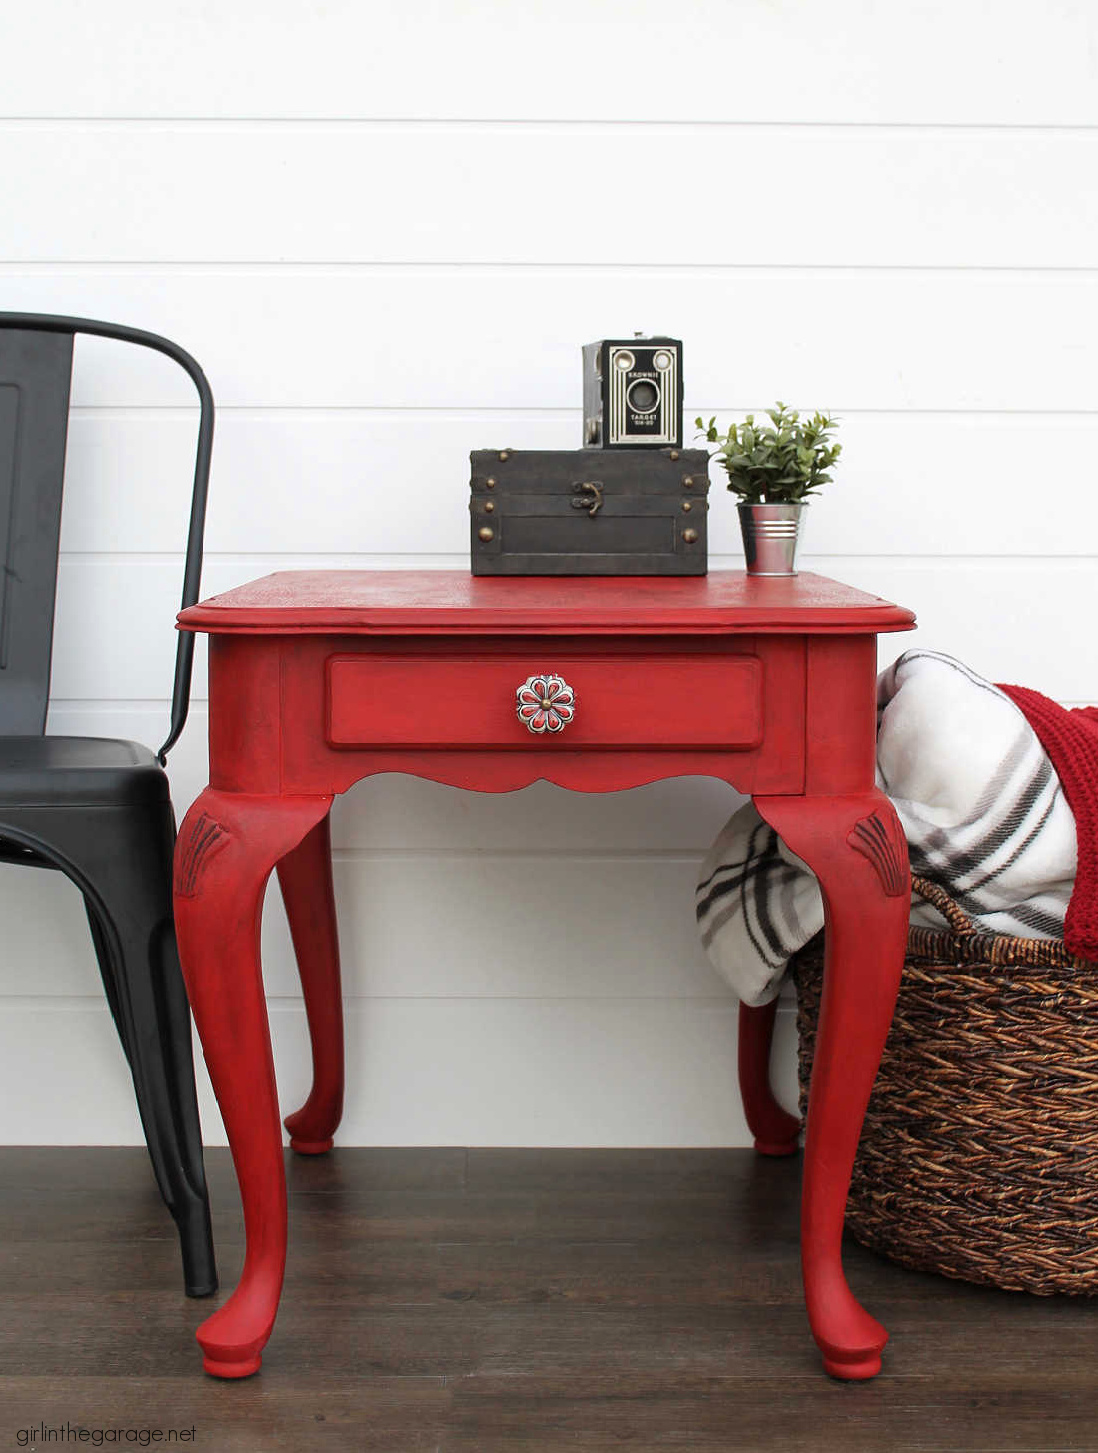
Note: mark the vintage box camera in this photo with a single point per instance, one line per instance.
(632, 393)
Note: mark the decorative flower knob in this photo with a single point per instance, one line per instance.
(545, 703)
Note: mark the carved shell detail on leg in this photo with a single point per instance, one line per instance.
(200, 841)
(545, 703)
(877, 838)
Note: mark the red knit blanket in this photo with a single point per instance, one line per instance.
(1071, 740)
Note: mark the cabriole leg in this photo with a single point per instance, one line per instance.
(305, 877)
(227, 846)
(775, 1131)
(856, 848)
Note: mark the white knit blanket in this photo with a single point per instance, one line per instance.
(979, 801)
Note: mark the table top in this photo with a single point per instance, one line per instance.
(453, 602)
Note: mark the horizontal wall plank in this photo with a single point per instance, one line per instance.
(1013, 621)
(908, 484)
(63, 1077)
(895, 196)
(395, 813)
(1005, 617)
(425, 1072)
(304, 480)
(851, 60)
(476, 337)
(462, 925)
(114, 622)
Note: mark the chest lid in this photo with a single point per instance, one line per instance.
(619, 473)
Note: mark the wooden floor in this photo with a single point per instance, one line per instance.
(510, 1299)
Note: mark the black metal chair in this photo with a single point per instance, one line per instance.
(98, 809)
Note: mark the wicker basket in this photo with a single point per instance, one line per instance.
(979, 1156)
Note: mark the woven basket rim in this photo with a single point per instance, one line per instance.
(960, 941)
(993, 950)
(980, 950)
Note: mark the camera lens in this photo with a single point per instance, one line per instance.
(643, 396)
(661, 360)
(624, 360)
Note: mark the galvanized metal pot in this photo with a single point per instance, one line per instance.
(770, 535)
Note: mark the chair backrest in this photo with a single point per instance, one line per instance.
(35, 373)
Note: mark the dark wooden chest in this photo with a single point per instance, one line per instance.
(589, 511)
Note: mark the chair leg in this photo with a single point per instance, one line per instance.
(149, 986)
(101, 944)
(122, 860)
(775, 1131)
(305, 877)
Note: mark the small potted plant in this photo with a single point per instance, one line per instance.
(773, 468)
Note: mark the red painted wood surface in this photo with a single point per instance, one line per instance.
(429, 601)
(621, 701)
(774, 1130)
(318, 679)
(305, 878)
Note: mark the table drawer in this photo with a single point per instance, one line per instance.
(604, 702)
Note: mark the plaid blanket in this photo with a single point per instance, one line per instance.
(982, 807)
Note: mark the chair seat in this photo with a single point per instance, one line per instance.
(78, 772)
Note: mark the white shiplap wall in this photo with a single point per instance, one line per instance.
(385, 229)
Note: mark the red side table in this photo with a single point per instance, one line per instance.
(318, 679)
